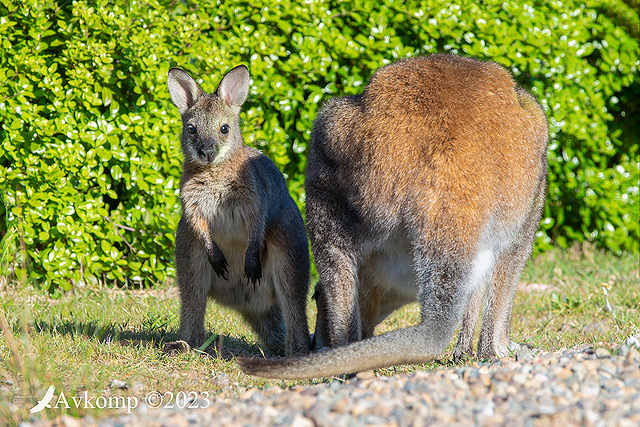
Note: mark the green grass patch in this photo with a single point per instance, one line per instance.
(85, 339)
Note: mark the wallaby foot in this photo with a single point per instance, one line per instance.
(461, 356)
(174, 348)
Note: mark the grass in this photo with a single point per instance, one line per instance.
(83, 340)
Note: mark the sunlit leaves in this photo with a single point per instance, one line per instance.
(89, 156)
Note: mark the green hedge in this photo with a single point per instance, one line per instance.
(90, 160)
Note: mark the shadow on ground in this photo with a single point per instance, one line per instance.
(153, 336)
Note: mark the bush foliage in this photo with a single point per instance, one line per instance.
(90, 160)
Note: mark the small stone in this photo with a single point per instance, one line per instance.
(176, 421)
(248, 393)
(519, 378)
(485, 379)
(633, 341)
(67, 421)
(633, 357)
(526, 369)
(477, 389)
(384, 408)
(623, 350)
(608, 368)
(590, 417)
(341, 405)
(612, 404)
(546, 410)
(563, 374)
(590, 390)
(503, 375)
(301, 421)
(591, 365)
(585, 348)
(258, 397)
(499, 389)
(486, 407)
(117, 384)
(602, 353)
(365, 375)
(494, 420)
(335, 385)
(630, 372)
(523, 353)
(319, 414)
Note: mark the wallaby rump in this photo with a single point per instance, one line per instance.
(428, 186)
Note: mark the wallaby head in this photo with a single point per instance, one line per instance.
(211, 123)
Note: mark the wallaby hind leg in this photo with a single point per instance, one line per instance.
(269, 327)
(372, 309)
(379, 296)
(330, 231)
(464, 346)
(291, 289)
(339, 271)
(321, 334)
(496, 322)
(494, 335)
(194, 276)
(444, 290)
(370, 306)
(445, 280)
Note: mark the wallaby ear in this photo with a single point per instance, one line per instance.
(234, 87)
(184, 90)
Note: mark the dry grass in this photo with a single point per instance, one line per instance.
(84, 340)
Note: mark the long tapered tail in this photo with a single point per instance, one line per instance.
(404, 346)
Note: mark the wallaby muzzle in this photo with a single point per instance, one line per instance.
(208, 151)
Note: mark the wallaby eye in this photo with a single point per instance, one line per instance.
(224, 129)
(191, 129)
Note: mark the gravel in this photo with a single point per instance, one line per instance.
(583, 386)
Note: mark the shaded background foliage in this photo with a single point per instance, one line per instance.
(90, 160)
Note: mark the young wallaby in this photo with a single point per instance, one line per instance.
(241, 239)
(429, 186)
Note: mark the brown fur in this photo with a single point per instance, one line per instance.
(241, 239)
(428, 186)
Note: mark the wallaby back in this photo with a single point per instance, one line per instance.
(429, 186)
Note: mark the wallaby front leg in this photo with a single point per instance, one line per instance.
(252, 265)
(214, 253)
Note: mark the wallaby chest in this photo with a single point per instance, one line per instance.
(223, 201)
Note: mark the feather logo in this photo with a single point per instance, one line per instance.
(45, 402)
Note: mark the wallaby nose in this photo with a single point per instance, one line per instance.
(208, 150)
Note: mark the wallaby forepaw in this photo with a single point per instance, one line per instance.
(253, 270)
(221, 267)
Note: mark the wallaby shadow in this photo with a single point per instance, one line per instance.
(222, 346)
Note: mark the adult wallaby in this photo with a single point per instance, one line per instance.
(239, 223)
(429, 186)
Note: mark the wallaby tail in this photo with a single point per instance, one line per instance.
(403, 346)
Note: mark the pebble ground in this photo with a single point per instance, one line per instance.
(578, 387)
